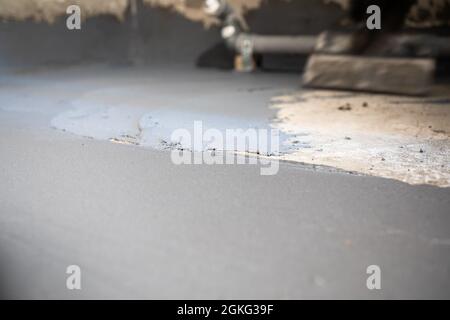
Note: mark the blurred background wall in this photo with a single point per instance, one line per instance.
(33, 32)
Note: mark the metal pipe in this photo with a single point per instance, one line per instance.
(240, 41)
(278, 44)
(246, 44)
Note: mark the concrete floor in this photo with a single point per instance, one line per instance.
(390, 136)
(141, 227)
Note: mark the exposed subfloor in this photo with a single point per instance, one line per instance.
(141, 227)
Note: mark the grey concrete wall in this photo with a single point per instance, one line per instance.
(161, 36)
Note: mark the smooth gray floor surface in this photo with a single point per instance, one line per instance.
(142, 227)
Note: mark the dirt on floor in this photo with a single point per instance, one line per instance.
(403, 138)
